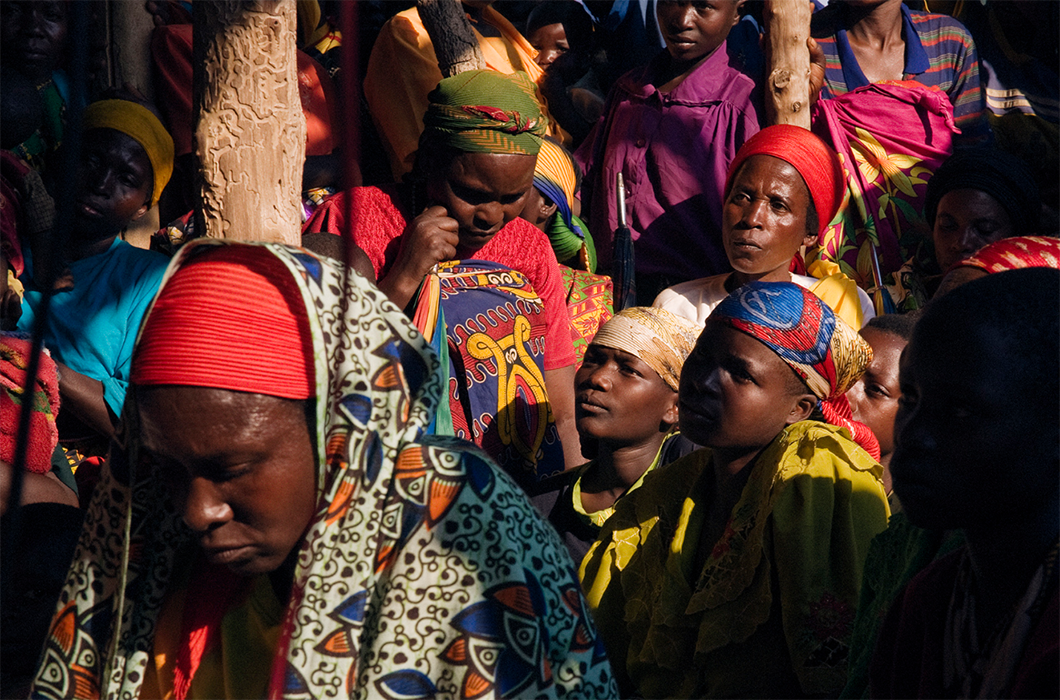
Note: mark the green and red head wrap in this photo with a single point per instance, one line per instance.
(483, 111)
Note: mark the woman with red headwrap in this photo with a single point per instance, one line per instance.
(735, 571)
(783, 188)
(275, 522)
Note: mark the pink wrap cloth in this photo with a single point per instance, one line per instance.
(890, 136)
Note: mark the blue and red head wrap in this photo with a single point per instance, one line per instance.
(791, 321)
(826, 353)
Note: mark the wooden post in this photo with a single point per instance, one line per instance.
(787, 26)
(130, 47)
(455, 44)
(130, 62)
(249, 131)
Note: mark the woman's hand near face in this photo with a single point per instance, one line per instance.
(428, 239)
(817, 68)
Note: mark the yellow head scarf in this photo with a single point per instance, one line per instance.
(661, 339)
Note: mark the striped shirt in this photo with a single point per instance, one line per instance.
(939, 52)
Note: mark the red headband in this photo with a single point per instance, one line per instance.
(231, 317)
(1016, 253)
(816, 162)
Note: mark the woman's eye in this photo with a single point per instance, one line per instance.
(876, 391)
(740, 375)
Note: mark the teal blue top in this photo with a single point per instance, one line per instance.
(92, 327)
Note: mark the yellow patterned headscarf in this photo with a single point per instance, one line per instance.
(138, 122)
(554, 174)
(661, 339)
(483, 111)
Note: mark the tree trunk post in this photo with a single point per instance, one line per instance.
(129, 52)
(130, 47)
(787, 26)
(249, 130)
(455, 44)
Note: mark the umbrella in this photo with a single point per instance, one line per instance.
(625, 288)
(881, 298)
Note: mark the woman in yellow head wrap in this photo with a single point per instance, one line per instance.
(626, 412)
(126, 161)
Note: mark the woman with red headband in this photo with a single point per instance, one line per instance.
(274, 521)
(783, 188)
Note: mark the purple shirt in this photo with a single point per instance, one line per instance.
(673, 151)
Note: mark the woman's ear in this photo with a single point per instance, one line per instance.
(141, 211)
(802, 409)
(669, 418)
(810, 240)
(547, 209)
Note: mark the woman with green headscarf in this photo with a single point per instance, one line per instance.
(504, 315)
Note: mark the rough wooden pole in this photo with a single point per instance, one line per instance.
(130, 47)
(130, 62)
(454, 42)
(787, 26)
(249, 132)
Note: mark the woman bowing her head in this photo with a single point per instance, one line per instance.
(274, 521)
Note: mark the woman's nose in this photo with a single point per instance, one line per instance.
(969, 241)
(600, 378)
(489, 214)
(204, 508)
(753, 213)
(854, 396)
(683, 19)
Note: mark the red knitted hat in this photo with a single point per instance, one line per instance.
(816, 162)
(231, 317)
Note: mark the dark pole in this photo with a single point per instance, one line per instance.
(51, 245)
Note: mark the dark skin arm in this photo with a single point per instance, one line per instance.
(430, 238)
(559, 383)
(83, 396)
(817, 62)
(36, 488)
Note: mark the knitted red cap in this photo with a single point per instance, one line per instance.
(231, 317)
(816, 162)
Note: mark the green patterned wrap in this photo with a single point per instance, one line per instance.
(483, 111)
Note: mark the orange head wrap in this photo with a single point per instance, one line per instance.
(231, 317)
(816, 162)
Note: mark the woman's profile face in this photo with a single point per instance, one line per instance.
(619, 398)
(240, 468)
(736, 393)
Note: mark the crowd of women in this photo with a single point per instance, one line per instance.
(433, 452)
